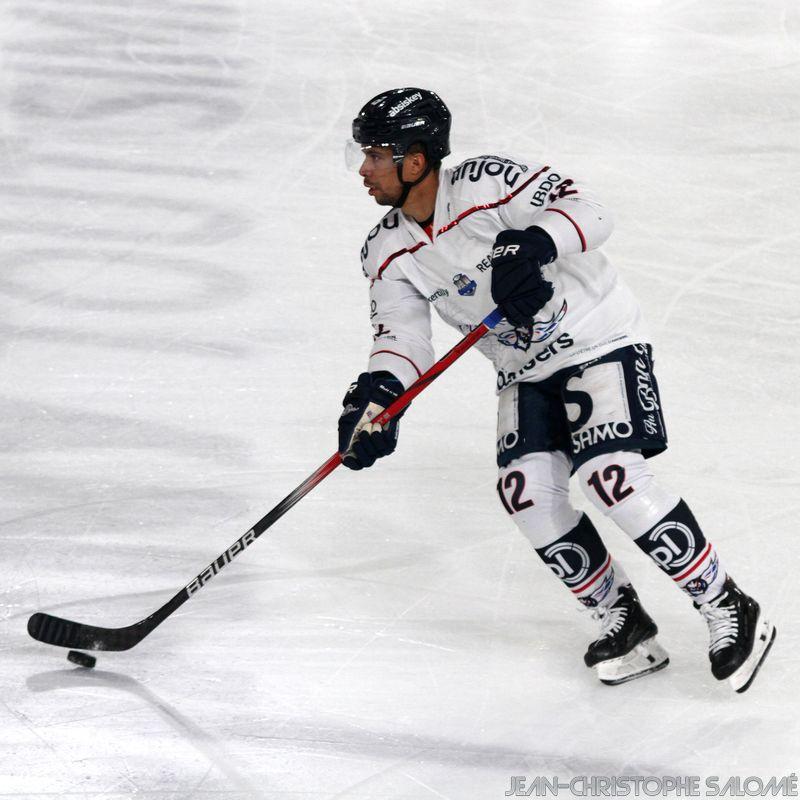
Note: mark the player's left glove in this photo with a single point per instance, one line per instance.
(360, 441)
(518, 287)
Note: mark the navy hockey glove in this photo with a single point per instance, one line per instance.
(361, 442)
(518, 287)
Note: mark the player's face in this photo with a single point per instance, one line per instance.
(379, 172)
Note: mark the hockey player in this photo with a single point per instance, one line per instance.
(577, 392)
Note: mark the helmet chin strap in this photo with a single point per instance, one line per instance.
(409, 185)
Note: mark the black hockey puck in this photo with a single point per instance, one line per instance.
(81, 659)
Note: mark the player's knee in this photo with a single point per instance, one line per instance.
(534, 490)
(622, 486)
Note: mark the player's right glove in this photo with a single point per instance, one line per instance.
(360, 441)
(518, 287)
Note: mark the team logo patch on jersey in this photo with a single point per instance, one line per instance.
(542, 331)
(522, 338)
(518, 338)
(465, 285)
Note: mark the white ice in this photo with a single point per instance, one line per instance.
(182, 308)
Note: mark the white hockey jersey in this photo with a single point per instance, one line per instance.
(591, 313)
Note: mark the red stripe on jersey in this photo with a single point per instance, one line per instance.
(393, 256)
(399, 355)
(602, 571)
(487, 206)
(575, 224)
(695, 565)
(452, 224)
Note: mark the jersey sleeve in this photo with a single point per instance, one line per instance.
(401, 320)
(400, 314)
(563, 207)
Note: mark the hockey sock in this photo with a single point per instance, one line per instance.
(580, 560)
(677, 544)
(623, 487)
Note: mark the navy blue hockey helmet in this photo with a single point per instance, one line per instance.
(402, 117)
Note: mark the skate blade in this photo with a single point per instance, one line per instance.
(648, 656)
(746, 674)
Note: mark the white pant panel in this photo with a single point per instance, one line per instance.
(535, 492)
(623, 487)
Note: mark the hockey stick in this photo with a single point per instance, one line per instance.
(75, 635)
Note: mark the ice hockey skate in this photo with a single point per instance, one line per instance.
(739, 636)
(627, 647)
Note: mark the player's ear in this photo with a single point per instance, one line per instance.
(414, 165)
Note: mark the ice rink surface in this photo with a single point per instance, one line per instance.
(182, 308)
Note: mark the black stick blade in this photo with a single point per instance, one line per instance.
(77, 636)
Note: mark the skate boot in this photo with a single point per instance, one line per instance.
(626, 648)
(739, 636)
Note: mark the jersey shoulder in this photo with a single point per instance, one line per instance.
(381, 242)
(489, 178)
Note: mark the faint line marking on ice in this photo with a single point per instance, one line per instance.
(703, 274)
(243, 111)
(381, 772)
(501, 590)
(193, 791)
(179, 19)
(67, 160)
(32, 729)
(423, 644)
(122, 77)
(494, 640)
(377, 635)
(208, 745)
(425, 786)
(322, 686)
